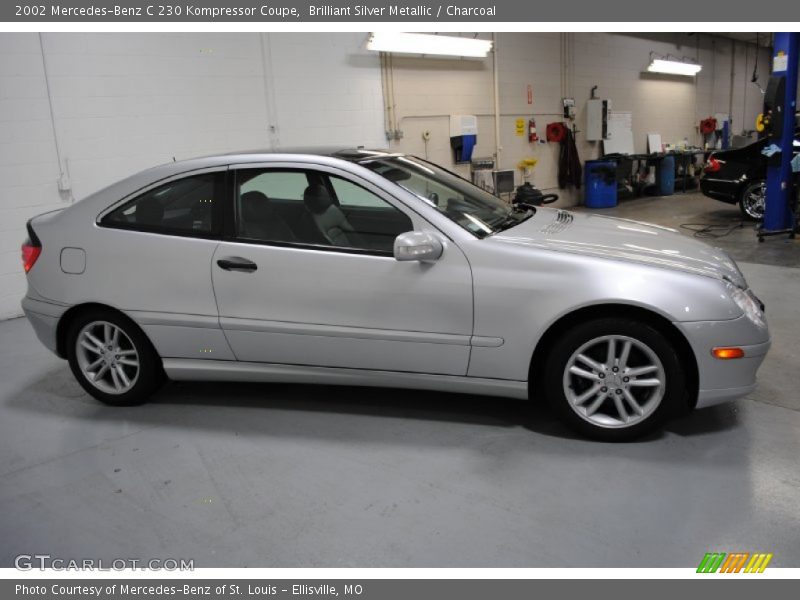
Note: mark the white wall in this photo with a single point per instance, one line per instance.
(327, 90)
(28, 165)
(125, 102)
(429, 90)
(536, 61)
(671, 106)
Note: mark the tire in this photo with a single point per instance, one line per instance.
(590, 402)
(752, 201)
(129, 371)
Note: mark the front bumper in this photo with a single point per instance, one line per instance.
(724, 380)
(44, 317)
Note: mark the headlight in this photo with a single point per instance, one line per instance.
(736, 277)
(749, 306)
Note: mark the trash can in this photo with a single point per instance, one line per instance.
(665, 176)
(601, 183)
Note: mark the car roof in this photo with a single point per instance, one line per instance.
(241, 157)
(352, 154)
(137, 181)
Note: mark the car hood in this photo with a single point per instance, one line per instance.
(621, 239)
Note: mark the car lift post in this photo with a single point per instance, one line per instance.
(779, 217)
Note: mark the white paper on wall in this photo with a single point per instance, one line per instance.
(620, 133)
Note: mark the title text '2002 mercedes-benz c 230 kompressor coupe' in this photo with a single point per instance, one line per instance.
(361, 267)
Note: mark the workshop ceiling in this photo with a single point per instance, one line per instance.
(764, 39)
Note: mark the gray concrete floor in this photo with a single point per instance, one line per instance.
(291, 475)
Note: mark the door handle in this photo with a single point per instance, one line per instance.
(236, 263)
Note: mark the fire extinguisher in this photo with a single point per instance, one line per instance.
(532, 135)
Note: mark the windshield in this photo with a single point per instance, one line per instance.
(474, 209)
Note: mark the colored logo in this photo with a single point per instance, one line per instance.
(735, 562)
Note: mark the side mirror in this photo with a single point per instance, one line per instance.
(417, 245)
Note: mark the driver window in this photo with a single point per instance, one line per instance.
(370, 222)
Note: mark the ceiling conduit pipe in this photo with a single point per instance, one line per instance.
(398, 135)
(388, 101)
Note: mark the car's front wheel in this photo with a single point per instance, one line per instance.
(753, 200)
(613, 379)
(112, 359)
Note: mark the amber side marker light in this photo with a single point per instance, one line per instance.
(727, 353)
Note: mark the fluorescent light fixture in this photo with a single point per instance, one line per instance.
(422, 43)
(674, 67)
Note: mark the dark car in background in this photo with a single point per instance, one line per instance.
(739, 176)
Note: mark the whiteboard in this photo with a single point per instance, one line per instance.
(619, 138)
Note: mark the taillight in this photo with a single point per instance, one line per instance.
(29, 255)
(713, 165)
(31, 249)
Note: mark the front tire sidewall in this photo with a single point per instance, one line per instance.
(582, 333)
(150, 375)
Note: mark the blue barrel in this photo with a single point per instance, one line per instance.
(665, 176)
(601, 183)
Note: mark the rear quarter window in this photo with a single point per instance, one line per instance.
(185, 206)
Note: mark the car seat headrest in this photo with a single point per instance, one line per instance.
(256, 206)
(317, 199)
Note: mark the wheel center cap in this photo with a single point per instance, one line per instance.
(614, 380)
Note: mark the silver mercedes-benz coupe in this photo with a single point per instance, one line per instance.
(360, 267)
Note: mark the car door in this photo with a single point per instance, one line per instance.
(296, 286)
(150, 255)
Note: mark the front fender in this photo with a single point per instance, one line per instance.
(519, 295)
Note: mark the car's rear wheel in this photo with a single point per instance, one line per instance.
(753, 200)
(613, 379)
(112, 359)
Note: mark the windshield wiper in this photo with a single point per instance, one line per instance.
(514, 218)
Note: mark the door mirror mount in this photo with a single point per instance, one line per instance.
(417, 245)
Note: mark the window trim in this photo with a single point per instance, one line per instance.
(313, 247)
(217, 214)
(234, 236)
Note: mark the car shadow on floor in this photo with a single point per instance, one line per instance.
(253, 406)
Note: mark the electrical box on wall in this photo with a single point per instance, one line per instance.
(463, 136)
(503, 181)
(597, 119)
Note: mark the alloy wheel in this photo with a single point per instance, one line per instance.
(754, 200)
(107, 357)
(614, 381)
